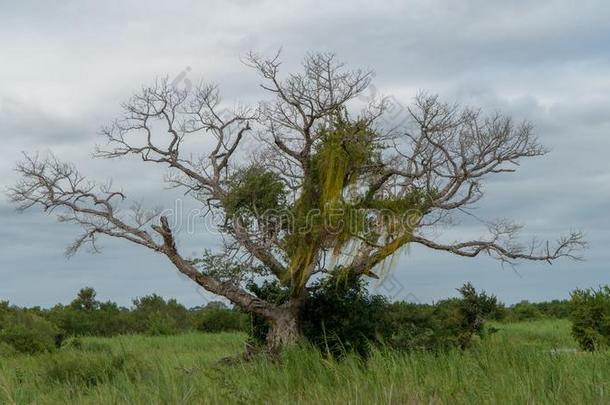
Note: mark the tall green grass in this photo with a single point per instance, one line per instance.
(532, 362)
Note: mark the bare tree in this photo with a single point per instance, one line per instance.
(328, 193)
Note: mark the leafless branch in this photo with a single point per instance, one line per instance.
(54, 185)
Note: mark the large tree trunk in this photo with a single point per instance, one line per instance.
(284, 327)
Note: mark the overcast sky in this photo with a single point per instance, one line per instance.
(66, 66)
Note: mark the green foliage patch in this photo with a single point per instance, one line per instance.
(590, 316)
(28, 333)
(339, 316)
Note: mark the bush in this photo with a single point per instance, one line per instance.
(156, 316)
(222, 320)
(590, 316)
(160, 324)
(5, 309)
(340, 316)
(411, 327)
(85, 316)
(474, 309)
(450, 323)
(525, 311)
(557, 309)
(29, 333)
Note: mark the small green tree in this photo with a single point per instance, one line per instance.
(28, 333)
(340, 316)
(590, 316)
(460, 319)
(217, 319)
(154, 315)
(85, 300)
(525, 311)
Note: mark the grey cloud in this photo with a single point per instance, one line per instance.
(66, 67)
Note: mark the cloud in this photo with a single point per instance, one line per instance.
(67, 66)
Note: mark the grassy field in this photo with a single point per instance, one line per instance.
(534, 362)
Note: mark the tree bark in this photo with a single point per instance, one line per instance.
(284, 327)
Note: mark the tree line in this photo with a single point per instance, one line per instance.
(339, 316)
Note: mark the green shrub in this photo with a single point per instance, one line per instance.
(156, 316)
(339, 316)
(85, 316)
(411, 326)
(590, 316)
(454, 328)
(29, 333)
(5, 309)
(525, 311)
(449, 323)
(556, 309)
(533, 311)
(473, 309)
(222, 320)
(160, 324)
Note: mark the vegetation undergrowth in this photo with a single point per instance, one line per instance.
(528, 362)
